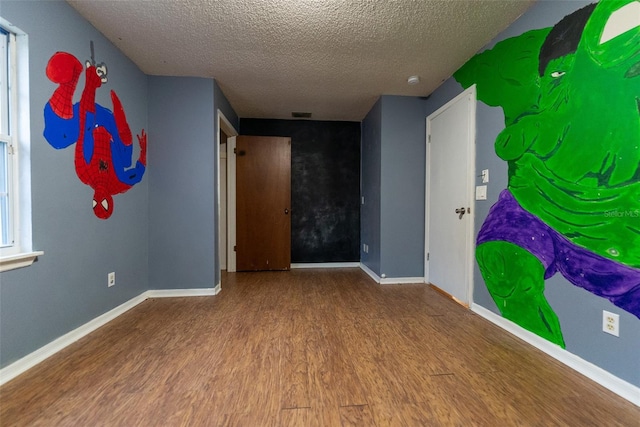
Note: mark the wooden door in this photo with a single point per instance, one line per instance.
(451, 151)
(263, 202)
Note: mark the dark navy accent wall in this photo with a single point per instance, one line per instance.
(325, 186)
(67, 287)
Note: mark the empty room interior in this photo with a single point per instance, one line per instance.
(320, 213)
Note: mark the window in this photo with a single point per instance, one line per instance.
(7, 142)
(15, 192)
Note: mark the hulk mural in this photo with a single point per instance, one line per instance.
(571, 101)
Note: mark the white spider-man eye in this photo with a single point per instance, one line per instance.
(557, 74)
(105, 204)
(94, 203)
(101, 70)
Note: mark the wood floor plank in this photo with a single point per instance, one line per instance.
(387, 414)
(333, 379)
(306, 348)
(294, 368)
(359, 415)
(294, 417)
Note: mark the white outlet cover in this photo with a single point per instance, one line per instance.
(481, 192)
(611, 323)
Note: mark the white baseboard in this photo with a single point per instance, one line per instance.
(22, 365)
(390, 280)
(176, 293)
(604, 378)
(400, 280)
(370, 272)
(325, 265)
(32, 359)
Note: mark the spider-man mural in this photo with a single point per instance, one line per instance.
(103, 138)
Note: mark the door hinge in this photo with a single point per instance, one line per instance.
(12, 150)
(427, 256)
(429, 139)
(235, 150)
(235, 248)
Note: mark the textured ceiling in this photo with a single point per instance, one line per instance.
(332, 58)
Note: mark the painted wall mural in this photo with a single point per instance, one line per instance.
(571, 101)
(104, 143)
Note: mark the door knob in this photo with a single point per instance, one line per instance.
(461, 212)
(286, 211)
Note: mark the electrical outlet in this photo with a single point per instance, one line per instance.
(611, 323)
(111, 279)
(481, 192)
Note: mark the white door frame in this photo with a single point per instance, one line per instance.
(225, 125)
(470, 93)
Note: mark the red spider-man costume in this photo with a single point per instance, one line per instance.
(103, 138)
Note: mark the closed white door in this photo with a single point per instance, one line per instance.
(449, 198)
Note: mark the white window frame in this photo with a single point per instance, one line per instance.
(18, 252)
(8, 123)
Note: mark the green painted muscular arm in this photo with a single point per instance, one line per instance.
(507, 76)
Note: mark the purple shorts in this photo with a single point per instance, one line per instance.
(508, 221)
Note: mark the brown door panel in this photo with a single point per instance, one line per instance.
(263, 192)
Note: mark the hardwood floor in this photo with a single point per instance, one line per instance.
(306, 348)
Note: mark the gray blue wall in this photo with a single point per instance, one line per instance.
(182, 250)
(183, 218)
(579, 312)
(67, 287)
(393, 184)
(402, 186)
(162, 232)
(370, 170)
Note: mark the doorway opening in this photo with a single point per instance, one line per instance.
(225, 145)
